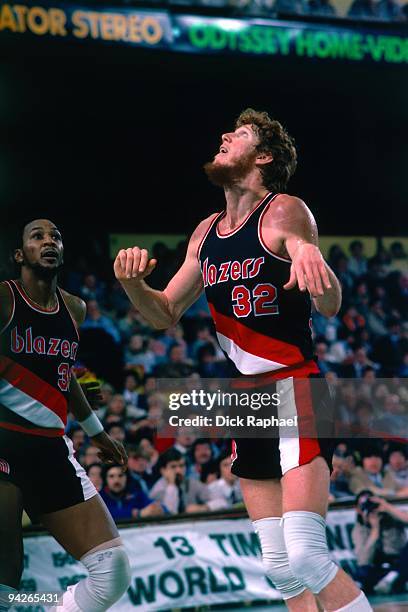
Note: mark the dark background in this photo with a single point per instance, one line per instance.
(108, 138)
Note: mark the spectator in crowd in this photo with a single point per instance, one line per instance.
(130, 392)
(90, 456)
(96, 320)
(94, 472)
(389, 350)
(123, 503)
(397, 465)
(77, 436)
(107, 392)
(139, 476)
(136, 354)
(357, 263)
(393, 418)
(380, 543)
(377, 319)
(323, 360)
(184, 440)
(371, 475)
(151, 454)
(132, 323)
(202, 454)
(176, 491)
(116, 431)
(353, 320)
(339, 479)
(209, 363)
(92, 289)
(358, 365)
(177, 366)
(226, 488)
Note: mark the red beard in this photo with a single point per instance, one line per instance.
(227, 175)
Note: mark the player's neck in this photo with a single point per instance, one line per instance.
(39, 290)
(241, 200)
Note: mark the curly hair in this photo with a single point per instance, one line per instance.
(273, 139)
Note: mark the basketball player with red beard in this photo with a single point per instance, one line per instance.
(261, 268)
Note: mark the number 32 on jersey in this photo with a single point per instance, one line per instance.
(260, 301)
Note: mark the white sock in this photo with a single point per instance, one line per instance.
(359, 604)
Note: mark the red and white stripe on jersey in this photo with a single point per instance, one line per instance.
(30, 397)
(302, 446)
(88, 487)
(261, 353)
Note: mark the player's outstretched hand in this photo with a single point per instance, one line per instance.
(111, 451)
(133, 264)
(309, 271)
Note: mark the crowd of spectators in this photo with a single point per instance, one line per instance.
(377, 10)
(363, 353)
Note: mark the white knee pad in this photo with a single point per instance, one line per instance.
(305, 539)
(275, 558)
(109, 577)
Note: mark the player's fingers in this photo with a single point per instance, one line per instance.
(144, 257)
(301, 277)
(318, 280)
(151, 266)
(324, 275)
(120, 263)
(292, 278)
(129, 263)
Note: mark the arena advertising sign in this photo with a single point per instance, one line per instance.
(181, 564)
(198, 34)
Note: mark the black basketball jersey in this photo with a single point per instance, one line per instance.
(260, 326)
(38, 350)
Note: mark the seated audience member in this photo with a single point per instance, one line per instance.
(371, 475)
(107, 392)
(201, 455)
(90, 456)
(123, 503)
(94, 472)
(96, 320)
(177, 364)
(130, 392)
(226, 488)
(116, 431)
(152, 455)
(77, 436)
(176, 491)
(380, 544)
(137, 354)
(339, 479)
(139, 477)
(392, 419)
(397, 465)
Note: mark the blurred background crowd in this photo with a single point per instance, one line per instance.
(363, 353)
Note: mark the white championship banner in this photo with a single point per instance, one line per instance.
(180, 564)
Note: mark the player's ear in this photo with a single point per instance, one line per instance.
(264, 158)
(18, 256)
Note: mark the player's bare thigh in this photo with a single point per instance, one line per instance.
(81, 527)
(263, 498)
(307, 487)
(303, 488)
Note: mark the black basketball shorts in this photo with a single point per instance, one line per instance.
(263, 457)
(45, 470)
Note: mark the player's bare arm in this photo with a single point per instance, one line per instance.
(110, 450)
(161, 309)
(299, 238)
